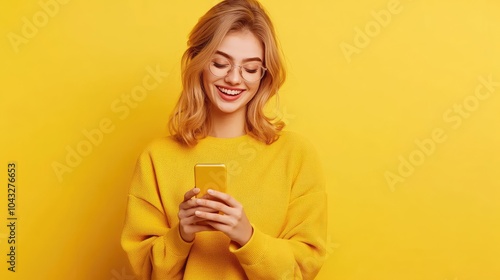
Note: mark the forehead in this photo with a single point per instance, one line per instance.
(241, 45)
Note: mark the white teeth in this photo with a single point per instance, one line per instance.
(229, 91)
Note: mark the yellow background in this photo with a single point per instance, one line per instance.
(364, 111)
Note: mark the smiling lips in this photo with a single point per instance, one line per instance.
(229, 94)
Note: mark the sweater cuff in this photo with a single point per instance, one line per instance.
(254, 251)
(174, 241)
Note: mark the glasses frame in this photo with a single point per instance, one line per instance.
(264, 69)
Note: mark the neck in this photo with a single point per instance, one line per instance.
(228, 125)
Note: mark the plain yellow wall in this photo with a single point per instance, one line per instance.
(401, 99)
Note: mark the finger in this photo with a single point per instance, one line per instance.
(223, 219)
(192, 192)
(207, 196)
(191, 220)
(215, 205)
(190, 203)
(226, 198)
(218, 226)
(183, 214)
(211, 197)
(190, 212)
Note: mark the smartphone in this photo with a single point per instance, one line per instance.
(210, 176)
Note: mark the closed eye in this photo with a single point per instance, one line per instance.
(251, 71)
(251, 68)
(220, 66)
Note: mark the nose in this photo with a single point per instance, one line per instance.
(233, 76)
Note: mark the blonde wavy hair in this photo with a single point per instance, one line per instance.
(190, 120)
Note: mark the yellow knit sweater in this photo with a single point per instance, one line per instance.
(280, 187)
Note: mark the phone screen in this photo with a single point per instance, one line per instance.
(210, 176)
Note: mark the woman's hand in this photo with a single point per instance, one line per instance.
(188, 221)
(233, 222)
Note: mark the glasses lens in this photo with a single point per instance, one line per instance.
(250, 72)
(220, 67)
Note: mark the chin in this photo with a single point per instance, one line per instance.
(229, 107)
(225, 109)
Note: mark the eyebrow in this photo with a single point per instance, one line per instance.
(244, 60)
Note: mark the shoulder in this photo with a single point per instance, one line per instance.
(295, 141)
(161, 143)
(297, 148)
(304, 163)
(160, 147)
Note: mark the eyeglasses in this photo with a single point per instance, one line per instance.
(251, 71)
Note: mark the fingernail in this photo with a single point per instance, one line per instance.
(210, 191)
(197, 212)
(196, 190)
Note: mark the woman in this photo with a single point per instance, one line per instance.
(271, 222)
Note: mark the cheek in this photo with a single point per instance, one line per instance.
(253, 89)
(209, 80)
(207, 85)
(205, 79)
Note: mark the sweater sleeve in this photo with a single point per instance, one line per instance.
(153, 244)
(299, 251)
